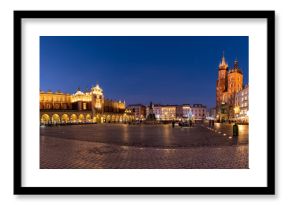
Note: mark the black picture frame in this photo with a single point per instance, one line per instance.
(268, 190)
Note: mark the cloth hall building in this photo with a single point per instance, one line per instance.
(81, 107)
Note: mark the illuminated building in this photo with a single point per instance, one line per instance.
(178, 112)
(183, 112)
(138, 110)
(228, 84)
(81, 107)
(242, 105)
(164, 112)
(198, 112)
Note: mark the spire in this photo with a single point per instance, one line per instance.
(223, 58)
(223, 64)
(236, 63)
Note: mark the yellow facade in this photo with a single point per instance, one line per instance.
(89, 100)
(56, 100)
(58, 107)
(164, 112)
(168, 113)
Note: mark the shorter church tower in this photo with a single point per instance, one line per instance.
(235, 79)
(235, 84)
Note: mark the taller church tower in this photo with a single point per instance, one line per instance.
(221, 83)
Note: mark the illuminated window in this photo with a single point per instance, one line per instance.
(84, 106)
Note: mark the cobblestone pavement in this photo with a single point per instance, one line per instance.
(161, 136)
(227, 129)
(72, 153)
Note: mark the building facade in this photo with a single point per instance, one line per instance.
(81, 107)
(165, 112)
(183, 112)
(242, 105)
(228, 84)
(195, 112)
(198, 112)
(138, 110)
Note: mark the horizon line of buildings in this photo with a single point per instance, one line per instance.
(91, 106)
(167, 112)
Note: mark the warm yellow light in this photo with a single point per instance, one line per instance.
(237, 110)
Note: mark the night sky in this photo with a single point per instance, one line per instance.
(140, 69)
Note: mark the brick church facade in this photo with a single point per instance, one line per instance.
(228, 84)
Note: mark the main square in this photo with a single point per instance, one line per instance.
(144, 102)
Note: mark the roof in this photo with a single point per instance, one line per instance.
(199, 105)
(235, 70)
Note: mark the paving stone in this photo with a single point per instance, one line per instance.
(59, 153)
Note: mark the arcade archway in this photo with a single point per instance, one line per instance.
(88, 118)
(45, 119)
(73, 118)
(64, 118)
(55, 118)
(81, 118)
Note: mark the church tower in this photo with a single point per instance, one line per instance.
(221, 83)
(235, 84)
(228, 84)
(235, 79)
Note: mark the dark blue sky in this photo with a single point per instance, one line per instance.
(140, 69)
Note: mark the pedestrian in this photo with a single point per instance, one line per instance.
(235, 133)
